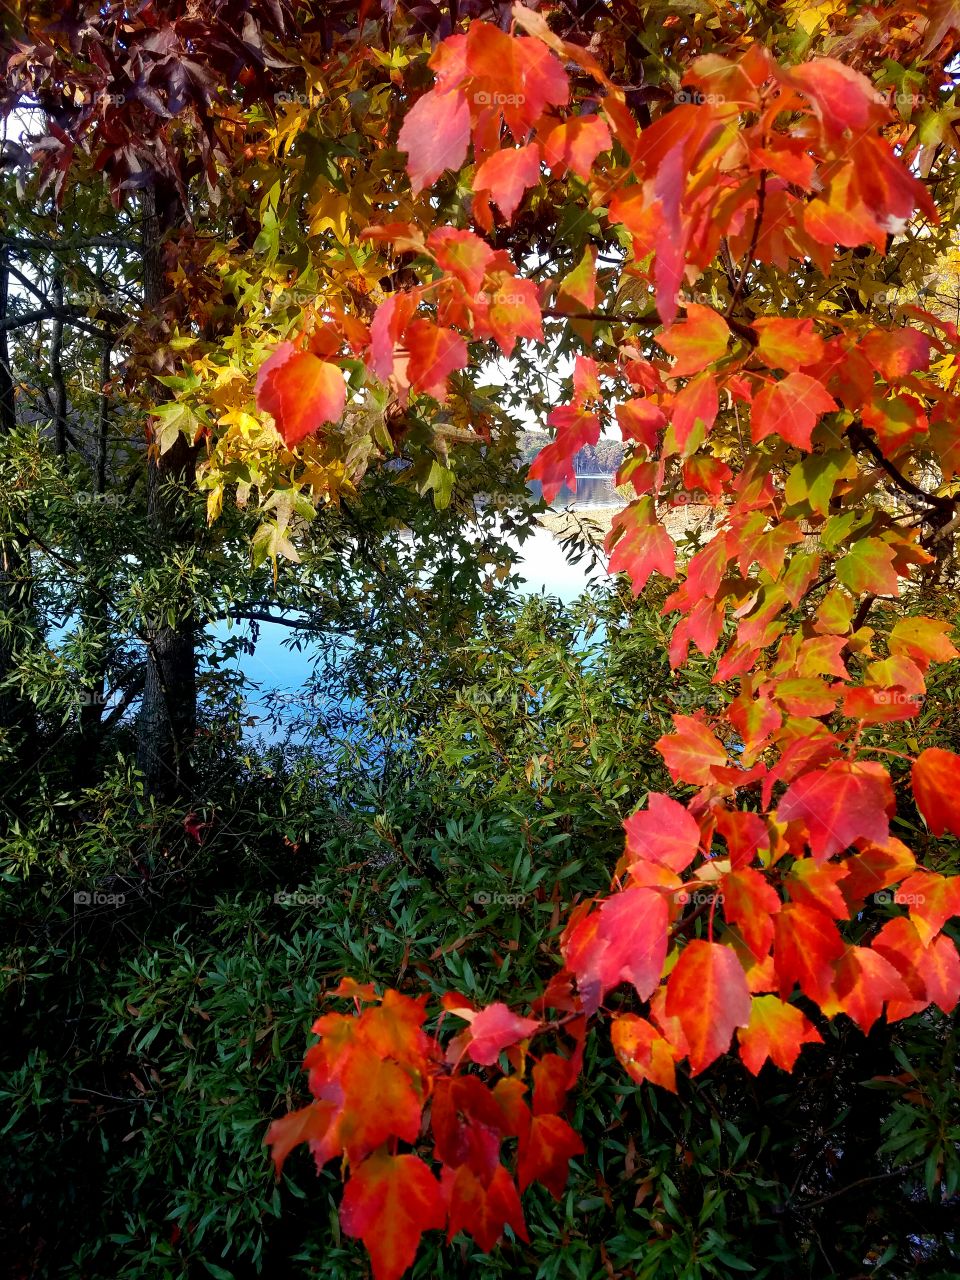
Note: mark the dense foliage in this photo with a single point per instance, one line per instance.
(643, 910)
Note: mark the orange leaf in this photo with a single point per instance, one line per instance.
(844, 802)
(300, 392)
(692, 752)
(434, 354)
(791, 408)
(643, 1052)
(481, 1209)
(697, 341)
(575, 145)
(664, 833)
(750, 903)
(388, 1203)
(507, 175)
(936, 788)
(777, 1031)
(707, 991)
(544, 1153)
(806, 944)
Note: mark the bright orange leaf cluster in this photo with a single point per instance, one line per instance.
(786, 835)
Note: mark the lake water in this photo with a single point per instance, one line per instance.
(591, 491)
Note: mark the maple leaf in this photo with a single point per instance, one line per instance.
(553, 465)
(843, 98)
(300, 392)
(494, 1029)
(707, 992)
(896, 353)
(507, 175)
(483, 1209)
(698, 402)
(638, 544)
(697, 341)
(625, 941)
(925, 640)
(513, 312)
(575, 144)
(806, 943)
(309, 1124)
(434, 134)
(463, 254)
(932, 900)
(750, 903)
(435, 353)
(843, 802)
(863, 981)
(665, 832)
(777, 1031)
(580, 284)
(745, 833)
(544, 1153)
(518, 76)
(936, 789)
(868, 567)
(692, 752)
(818, 884)
(643, 1052)
(641, 420)
(791, 408)
(787, 343)
(467, 1124)
(388, 1203)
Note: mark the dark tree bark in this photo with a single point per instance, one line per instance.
(168, 715)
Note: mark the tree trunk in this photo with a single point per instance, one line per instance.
(168, 714)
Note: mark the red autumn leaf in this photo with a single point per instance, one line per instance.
(843, 802)
(507, 175)
(931, 899)
(435, 353)
(750, 903)
(791, 408)
(697, 341)
(818, 884)
(787, 343)
(494, 1029)
(936, 789)
(864, 981)
(639, 545)
(516, 75)
(895, 420)
(641, 420)
(777, 1031)
(435, 134)
(388, 1203)
(873, 869)
(698, 402)
(391, 318)
(467, 1124)
(309, 1124)
(513, 312)
(745, 833)
(692, 752)
(553, 465)
(806, 943)
(580, 285)
(463, 254)
(664, 832)
(625, 941)
(545, 1152)
(378, 1100)
(575, 144)
(844, 98)
(707, 992)
(300, 392)
(896, 353)
(483, 1209)
(643, 1052)
(553, 1077)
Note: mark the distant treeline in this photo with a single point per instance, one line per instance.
(603, 457)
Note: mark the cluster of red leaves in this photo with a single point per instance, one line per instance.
(373, 1076)
(782, 164)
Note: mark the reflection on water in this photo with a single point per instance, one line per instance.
(592, 491)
